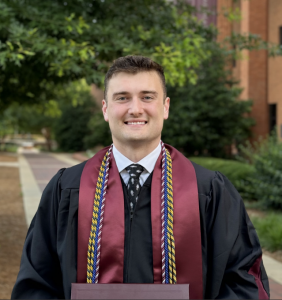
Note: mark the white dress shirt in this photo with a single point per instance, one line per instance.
(148, 163)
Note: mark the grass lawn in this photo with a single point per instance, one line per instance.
(269, 230)
(9, 148)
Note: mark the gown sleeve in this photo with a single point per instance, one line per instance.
(40, 273)
(234, 265)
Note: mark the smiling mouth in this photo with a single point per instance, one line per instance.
(136, 123)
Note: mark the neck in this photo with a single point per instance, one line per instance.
(135, 152)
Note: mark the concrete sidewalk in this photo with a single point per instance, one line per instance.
(36, 170)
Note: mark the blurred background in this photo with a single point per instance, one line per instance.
(223, 67)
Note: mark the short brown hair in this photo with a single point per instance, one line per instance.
(133, 64)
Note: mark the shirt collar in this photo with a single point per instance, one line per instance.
(148, 162)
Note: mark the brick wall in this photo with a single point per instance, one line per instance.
(252, 69)
(244, 62)
(258, 63)
(224, 26)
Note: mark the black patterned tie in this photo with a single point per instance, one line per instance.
(133, 185)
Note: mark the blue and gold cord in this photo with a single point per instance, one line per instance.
(94, 238)
(169, 238)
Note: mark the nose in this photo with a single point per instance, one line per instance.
(136, 107)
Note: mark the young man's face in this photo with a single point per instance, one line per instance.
(135, 108)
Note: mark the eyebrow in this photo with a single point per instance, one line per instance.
(120, 93)
(149, 92)
(142, 92)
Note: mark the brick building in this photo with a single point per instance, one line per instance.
(259, 75)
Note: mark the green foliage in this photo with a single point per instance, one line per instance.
(236, 42)
(49, 43)
(266, 158)
(250, 41)
(237, 172)
(76, 107)
(207, 117)
(180, 54)
(46, 45)
(269, 230)
(71, 128)
(99, 132)
(32, 118)
(7, 123)
(51, 115)
(9, 148)
(233, 14)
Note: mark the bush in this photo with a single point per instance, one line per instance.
(99, 132)
(266, 158)
(9, 148)
(237, 172)
(269, 230)
(72, 127)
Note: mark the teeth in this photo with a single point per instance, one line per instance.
(136, 123)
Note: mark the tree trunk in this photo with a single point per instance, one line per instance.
(2, 143)
(47, 134)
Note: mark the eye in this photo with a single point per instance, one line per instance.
(148, 98)
(121, 98)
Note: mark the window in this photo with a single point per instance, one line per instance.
(280, 35)
(272, 116)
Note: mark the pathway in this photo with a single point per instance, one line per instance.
(36, 169)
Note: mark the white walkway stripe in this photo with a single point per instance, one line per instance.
(39, 181)
(30, 189)
(9, 164)
(45, 166)
(66, 158)
(273, 268)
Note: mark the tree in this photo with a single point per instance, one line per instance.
(45, 43)
(71, 102)
(37, 118)
(71, 128)
(207, 117)
(99, 131)
(7, 126)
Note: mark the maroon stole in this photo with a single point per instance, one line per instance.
(187, 234)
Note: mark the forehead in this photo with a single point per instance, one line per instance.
(134, 83)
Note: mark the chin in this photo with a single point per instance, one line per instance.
(135, 139)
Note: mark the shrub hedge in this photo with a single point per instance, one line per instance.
(237, 172)
(72, 127)
(269, 230)
(266, 158)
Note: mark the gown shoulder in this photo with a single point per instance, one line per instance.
(70, 178)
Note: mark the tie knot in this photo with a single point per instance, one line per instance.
(135, 170)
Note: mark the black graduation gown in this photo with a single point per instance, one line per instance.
(230, 245)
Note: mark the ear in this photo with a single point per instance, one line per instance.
(105, 110)
(166, 107)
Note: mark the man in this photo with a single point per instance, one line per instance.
(139, 211)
